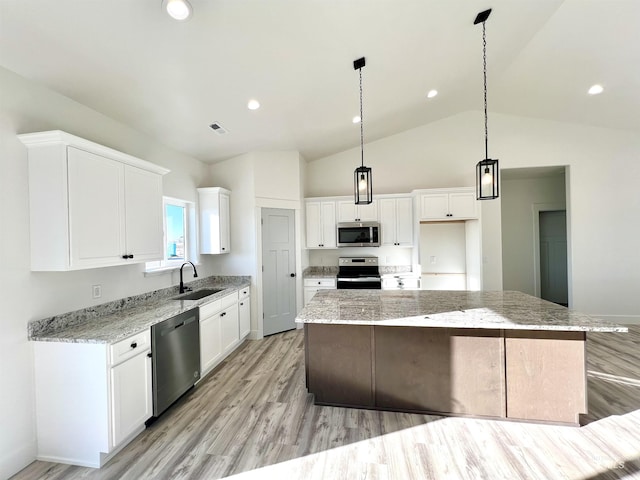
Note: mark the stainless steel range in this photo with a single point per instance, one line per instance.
(359, 272)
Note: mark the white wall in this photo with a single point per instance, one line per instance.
(518, 241)
(605, 206)
(257, 180)
(386, 255)
(25, 295)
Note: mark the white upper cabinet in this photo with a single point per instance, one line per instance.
(215, 235)
(90, 206)
(396, 221)
(321, 223)
(448, 204)
(348, 211)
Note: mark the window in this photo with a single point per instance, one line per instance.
(179, 221)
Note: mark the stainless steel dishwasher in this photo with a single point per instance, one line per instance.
(175, 348)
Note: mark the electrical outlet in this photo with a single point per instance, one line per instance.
(96, 291)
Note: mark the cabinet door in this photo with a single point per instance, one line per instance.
(368, 212)
(404, 222)
(388, 221)
(143, 202)
(96, 210)
(314, 219)
(244, 312)
(328, 221)
(214, 220)
(434, 206)
(131, 396)
(225, 237)
(462, 205)
(229, 327)
(210, 342)
(350, 212)
(347, 211)
(309, 292)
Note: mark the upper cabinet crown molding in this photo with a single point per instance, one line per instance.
(53, 137)
(90, 206)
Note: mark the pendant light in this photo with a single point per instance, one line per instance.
(487, 169)
(362, 176)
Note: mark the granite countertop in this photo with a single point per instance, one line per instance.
(320, 272)
(114, 321)
(507, 310)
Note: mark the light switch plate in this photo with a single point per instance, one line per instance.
(96, 291)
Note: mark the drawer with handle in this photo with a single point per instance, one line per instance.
(129, 347)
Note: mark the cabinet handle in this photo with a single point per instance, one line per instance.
(149, 355)
(292, 275)
(242, 304)
(223, 314)
(134, 345)
(127, 256)
(223, 248)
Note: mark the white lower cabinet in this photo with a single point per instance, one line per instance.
(131, 398)
(223, 324)
(401, 283)
(91, 399)
(313, 285)
(244, 312)
(210, 342)
(229, 327)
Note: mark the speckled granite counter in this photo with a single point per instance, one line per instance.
(320, 272)
(455, 309)
(113, 321)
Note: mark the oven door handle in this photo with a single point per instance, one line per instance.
(360, 279)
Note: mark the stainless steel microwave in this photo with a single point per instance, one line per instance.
(358, 234)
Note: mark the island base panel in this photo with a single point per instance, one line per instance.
(546, 375)
(459, 371)
(339, 368)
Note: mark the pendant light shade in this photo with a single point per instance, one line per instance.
(487, 179)
(487, 169)
(363, 192)
(362, 185)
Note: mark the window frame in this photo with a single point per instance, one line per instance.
(189, 236)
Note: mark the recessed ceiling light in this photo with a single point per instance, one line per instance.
(356, 119)
(432, 93)
(253, 104)
(178, 9)
(596, 89)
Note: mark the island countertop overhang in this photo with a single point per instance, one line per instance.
(506, 310)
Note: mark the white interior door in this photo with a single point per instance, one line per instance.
(553, 257)
(279, 270)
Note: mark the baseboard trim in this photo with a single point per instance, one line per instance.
(17, 459)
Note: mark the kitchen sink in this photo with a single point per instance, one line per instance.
(198, 294)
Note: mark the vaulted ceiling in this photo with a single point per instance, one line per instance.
(171, 80)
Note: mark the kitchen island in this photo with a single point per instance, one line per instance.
(495, 354)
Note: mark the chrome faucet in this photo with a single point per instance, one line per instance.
(195, 274)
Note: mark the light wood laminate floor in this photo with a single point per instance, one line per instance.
(252, 419)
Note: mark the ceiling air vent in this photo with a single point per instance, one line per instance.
(219, 129)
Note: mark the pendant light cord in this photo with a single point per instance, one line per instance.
(484, 61)
(361, 123)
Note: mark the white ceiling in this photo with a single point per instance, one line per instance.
(170, 80)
